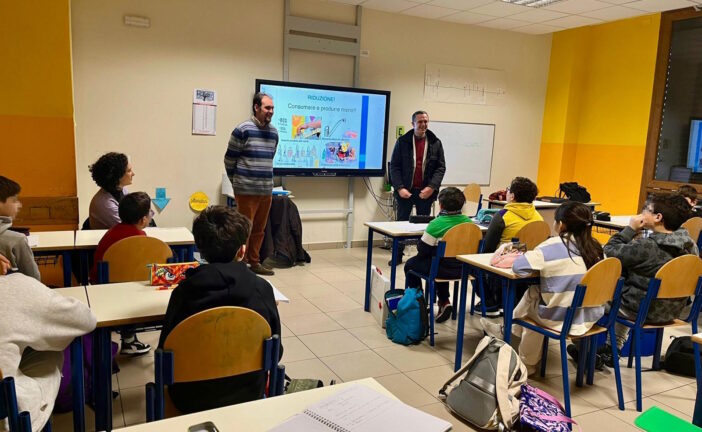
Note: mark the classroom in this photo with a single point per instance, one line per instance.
(524, 95)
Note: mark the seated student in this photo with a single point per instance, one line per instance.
(37, 325)
(504, 226)
(690, 194)
(220, 235)
(135, 213)
(642, 257)
(451, 201)
(14, 245)
(561, 262)
(112, 172)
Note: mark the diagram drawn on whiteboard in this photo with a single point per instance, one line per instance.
(455, 84)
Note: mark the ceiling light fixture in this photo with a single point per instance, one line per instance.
(532, 3)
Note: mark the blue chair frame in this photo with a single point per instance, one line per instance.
(430, 294)
(18, 421)
(637, 329)
(563, 335)
(163, 375)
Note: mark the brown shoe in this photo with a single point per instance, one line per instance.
(261, 270)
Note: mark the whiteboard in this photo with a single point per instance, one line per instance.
(467, 150)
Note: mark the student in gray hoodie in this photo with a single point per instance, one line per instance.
(14, 245)
(641, 258)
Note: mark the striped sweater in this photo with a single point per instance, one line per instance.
(560, 274)
(249, 158)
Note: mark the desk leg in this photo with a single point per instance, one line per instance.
(66, 268)
(461, 316)
(393, 267)
(84, 266)
(507, 306)
(102, 362)
(191, 253)
(369, 261)
(78, 385)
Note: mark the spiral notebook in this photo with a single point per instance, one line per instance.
(361, 409)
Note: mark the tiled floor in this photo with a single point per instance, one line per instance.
(327, 336)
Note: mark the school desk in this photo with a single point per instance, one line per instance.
(45, 243)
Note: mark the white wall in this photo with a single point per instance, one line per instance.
(133, 91)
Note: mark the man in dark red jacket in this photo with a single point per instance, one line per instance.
(220, 235)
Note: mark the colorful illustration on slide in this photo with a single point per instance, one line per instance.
(350, 134)
(339, 152)
(306, 127)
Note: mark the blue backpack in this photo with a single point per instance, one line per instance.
(408, 323)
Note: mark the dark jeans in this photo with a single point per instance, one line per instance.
(404, 208)
(423, 265)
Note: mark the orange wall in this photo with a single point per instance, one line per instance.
(597, 110)
(36, 107)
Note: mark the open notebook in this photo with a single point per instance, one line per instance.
(361, 409)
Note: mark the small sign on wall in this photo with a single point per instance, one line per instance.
(204, 112)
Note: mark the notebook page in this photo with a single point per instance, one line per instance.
(361, 409)
(300, 423)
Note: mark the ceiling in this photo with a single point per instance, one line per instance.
(504, 16)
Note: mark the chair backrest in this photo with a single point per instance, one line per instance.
(679, 277)
(462, 239)
(601, 282)
(217, 343)
(473, 196)
(128, 258)
(694, 227)
(534, 233)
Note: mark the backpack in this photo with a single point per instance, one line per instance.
(484, 216)
(487, 395)
(574, 192)
(500, 195)
(680, 357)
(408, 323)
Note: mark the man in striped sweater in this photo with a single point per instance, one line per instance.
(249, 164)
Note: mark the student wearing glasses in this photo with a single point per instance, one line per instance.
(135, 214)
(505, 225)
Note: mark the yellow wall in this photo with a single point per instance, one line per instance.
(36, 106)
(597, 109)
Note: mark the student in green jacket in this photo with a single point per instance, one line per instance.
(451, 202)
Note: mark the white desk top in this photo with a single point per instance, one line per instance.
(171, 236)
(127, 303)
(403, 228)
(77, 292)
(539, 204)
(134, 302)
(259, 415)
(52, 240)
(616, 222)
(482, 261)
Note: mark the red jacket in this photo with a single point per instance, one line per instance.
(112, 236)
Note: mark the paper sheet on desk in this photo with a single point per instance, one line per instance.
(33, 240)
(410, 227)
(279, 296)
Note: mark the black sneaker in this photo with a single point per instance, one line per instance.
(445, 312)
(134, 347)
(490, 311)
(606, 353)
(573, 352)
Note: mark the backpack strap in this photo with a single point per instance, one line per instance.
(479, 349)
(507, 403)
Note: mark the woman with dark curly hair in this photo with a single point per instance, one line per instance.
(112, 172)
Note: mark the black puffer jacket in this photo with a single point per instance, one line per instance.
(641, 259)
(402, 162)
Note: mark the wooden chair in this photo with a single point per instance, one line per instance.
(462, 239)
(215, 343)
(601, 284)
(694, 227)
(534, 233)
(128, 259)
(679, 277)
(473, 195)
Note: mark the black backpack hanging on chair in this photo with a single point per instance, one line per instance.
(574, 192)
(680, 357)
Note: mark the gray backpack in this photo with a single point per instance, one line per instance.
(487, 394)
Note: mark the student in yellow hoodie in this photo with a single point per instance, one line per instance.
(505, 225)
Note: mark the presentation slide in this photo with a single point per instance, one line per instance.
(329, 130)
(694, 152)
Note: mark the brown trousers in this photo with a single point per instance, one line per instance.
(256, 208)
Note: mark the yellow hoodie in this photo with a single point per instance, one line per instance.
(515, 215)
